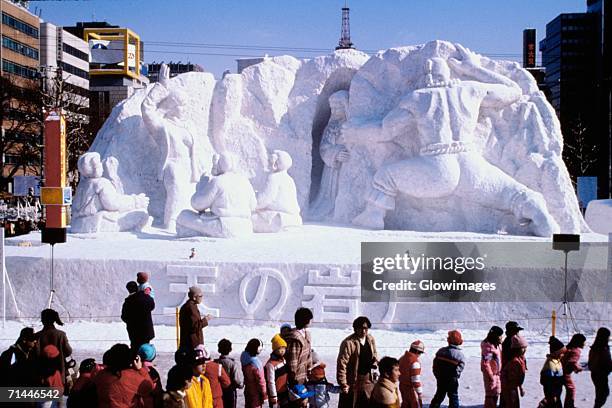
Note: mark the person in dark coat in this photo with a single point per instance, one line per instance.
(191, 321)
(18, 361)
(136, 313)
(600, 365)
(448, 365)
(49, 335)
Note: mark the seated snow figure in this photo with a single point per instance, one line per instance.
(98, 207)
(437, 122)
(277, 205)
(223, 204)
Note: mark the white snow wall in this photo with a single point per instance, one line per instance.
(261, 293)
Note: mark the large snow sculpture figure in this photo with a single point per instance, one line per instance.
(277, 205)
(437, 123)
(333, 155)
(182, 164)
(98, 207)
(223, 204)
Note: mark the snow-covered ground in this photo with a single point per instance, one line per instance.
(91, 339)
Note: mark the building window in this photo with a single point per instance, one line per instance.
(69, 49)
(71, 69)
(19, 48)
(19, 25)
(12, 68)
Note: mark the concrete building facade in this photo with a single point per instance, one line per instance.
(20, 60)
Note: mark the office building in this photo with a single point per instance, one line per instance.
(21, 131)
(573, 55)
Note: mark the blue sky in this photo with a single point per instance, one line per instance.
(191, 30)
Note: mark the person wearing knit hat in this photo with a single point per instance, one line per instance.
(318, 385)
(49, 367)
(18, 361)
(216, 375)
(448, 365)
(144, 285)
(571, 364)
(410, 384)
(513, 373)
(275, 372)
(136, 313)
(285, 328)
(49, 335)
(490, 365)
(147, 352)
(191, 322)
(551, 375)
(455, 338)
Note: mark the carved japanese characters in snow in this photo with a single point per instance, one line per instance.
(277, 205)
(333, 155)
(98, 207)
(182, 163)
(436, 123)
(223, 204)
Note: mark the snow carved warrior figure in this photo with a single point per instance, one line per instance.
(438, 121)
(223, 204)
(333, 155)
(99, 207)
(181, 162)
(277, 205)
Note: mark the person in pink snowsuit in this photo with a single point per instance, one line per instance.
(490, 365)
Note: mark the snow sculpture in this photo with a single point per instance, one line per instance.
(284, 103)
(99, 207)
(277, 205)
(437, 122)
(333, 155)
(111, 172)
(223, 204)
(181, 164)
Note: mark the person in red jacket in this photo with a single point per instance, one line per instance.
(490, 365)
(275, 371)
(216, 375)
(254, 379)
(49, 368)
(124, 383)
(410, 376)
(571, 364)
(514, 373)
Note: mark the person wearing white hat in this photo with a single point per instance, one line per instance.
(410, 386)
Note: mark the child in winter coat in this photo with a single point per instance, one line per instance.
(410, 376)
(600, 366)
(447, 367)
(318, 384)
(147, 354)
(49, 372)
(571, 364)
(490, 365)
(384, 394)
(143, 284)
(551, 375)
(276, 374)
(233, 370)
(514, 373)
(254, 379)
(83, 393)
(179, 381)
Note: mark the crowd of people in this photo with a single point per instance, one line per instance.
(293, 375)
